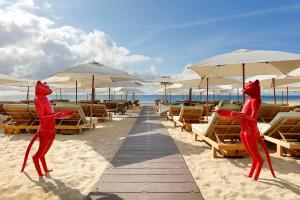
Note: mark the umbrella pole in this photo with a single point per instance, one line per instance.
(126, 95)
(287, 95)
(213, 97)
(282, 97)
(165, 92)
(274, 90)
(190, 95)
(27, 97)
(170, 96)
(207, 98)
(229, 95)
(109, 99)
(60, 94)
(200, 97)
(92, 99)
(243, 66)
(76, 91)
(237, 95)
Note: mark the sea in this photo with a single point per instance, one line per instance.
(151, 98)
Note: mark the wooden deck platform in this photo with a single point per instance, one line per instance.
(148, 166)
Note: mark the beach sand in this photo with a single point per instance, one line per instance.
(224, 178)
(77, 160)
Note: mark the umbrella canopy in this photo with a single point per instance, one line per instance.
(247, 62)
(100, 72)
(257, 62)
(127, 90)
(9, 80)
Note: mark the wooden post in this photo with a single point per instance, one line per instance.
(109, 100)
(76, 94)
(27, 97)
(207, 98)
(274, 90)
(190, 95)
(238, 95)
(200, 96)
(165, 92)
(282, 97)
(230, 95)
(243, 66)
(287, 95)
(170, 96)
(92, 99)
(60, 93)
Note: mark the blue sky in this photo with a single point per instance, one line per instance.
(165, 34)
(181, 32)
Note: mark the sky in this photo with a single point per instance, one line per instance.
(144, 37)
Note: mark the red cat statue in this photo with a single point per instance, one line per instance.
(250, 134)
(46, 130)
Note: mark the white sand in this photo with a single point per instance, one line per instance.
(77, 160)
(223, 178)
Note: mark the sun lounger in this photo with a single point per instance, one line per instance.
(267, 112)
(3, 119)
(189, 115)
(20, 118)
(121, 108)
(223, 134)
(99, 111)
(76, 123)
(173, 111)
(232, 107)
(284, 131)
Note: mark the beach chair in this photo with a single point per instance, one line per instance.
(232, 107)
(3, 119)
(121, 108)
(267, 112)
(20, 118)
(284, 131)
(77, 122)
(223, 134)
(173, 111)
(188, 116)
(99, 111)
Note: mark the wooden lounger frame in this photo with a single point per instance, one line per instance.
(173, 111)
(267, 113)
(287, 138)
(224, 138)
(189, 117)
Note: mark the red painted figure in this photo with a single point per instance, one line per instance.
(250, 134)
(46, 131)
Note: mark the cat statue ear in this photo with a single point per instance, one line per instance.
(256, 82)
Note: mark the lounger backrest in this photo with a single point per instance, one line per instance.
(79, 114)
(285, 122)
(191, 111)
(221, 125)
(174, 110)
(267, 112)
(232, 107)
(18, 112)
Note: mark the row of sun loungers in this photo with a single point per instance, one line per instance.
(279, 125)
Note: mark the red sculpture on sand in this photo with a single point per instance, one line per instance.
(250, 134)
(46, 131)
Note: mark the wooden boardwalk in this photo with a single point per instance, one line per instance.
(148, 166)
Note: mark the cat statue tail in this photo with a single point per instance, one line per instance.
(262, 143)
(28, 150)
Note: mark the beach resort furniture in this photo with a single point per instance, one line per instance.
(121, 108)
(136, 102)
(223, 134)
(189, 115)
(284, 131)
(267, 112)
(76, 123)
(173, 111)
(232, 107)
(20, 118)
(99, 111)
(286, 108)
(3, 119)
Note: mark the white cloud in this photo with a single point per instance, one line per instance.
(149, 74)
(33, 46)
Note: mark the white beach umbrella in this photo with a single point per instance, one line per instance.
(95, 71)
(248, 62)
(164, 80)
